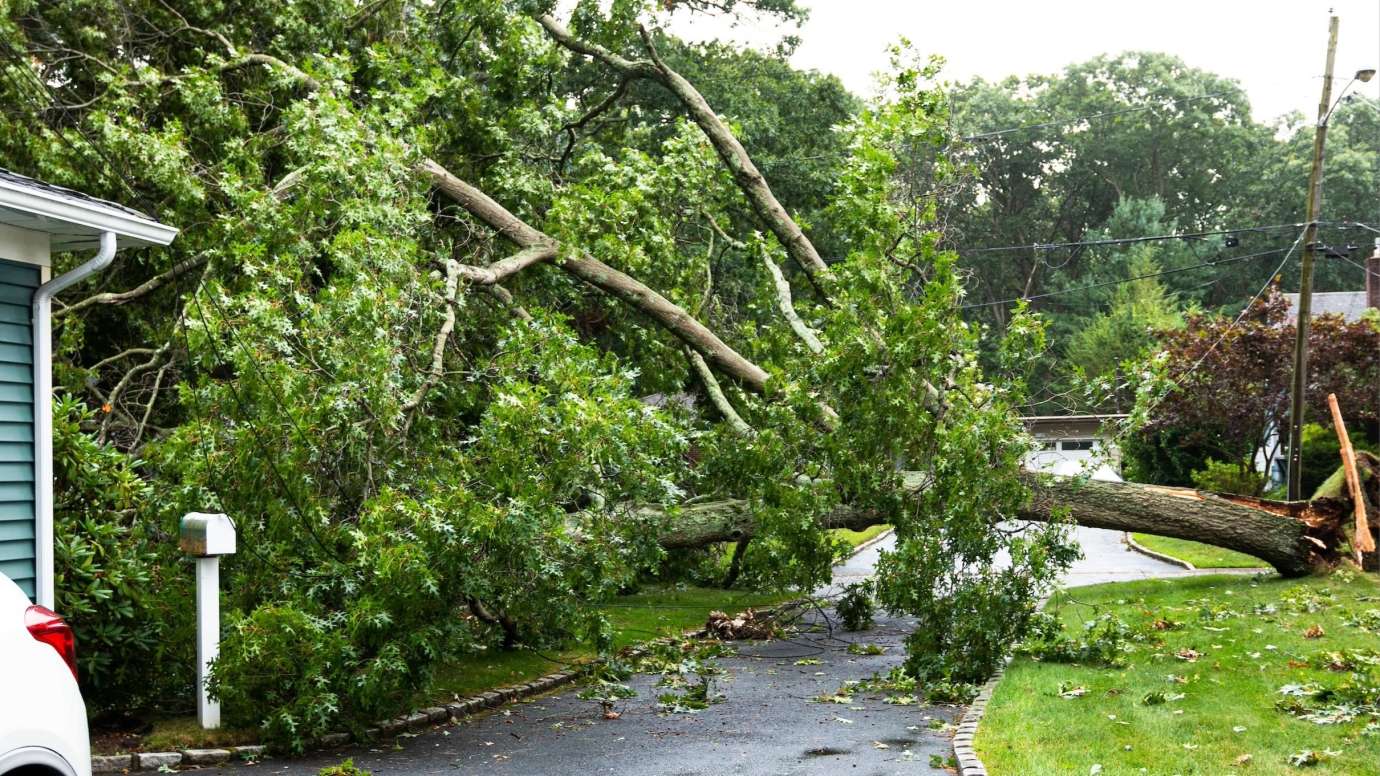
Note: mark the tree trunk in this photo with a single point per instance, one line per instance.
(1296, 538)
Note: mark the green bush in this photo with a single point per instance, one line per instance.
(1166, 457)
(1221, 477)
(117, 580)
(1322, 453)
(855, 606)
(286, 662)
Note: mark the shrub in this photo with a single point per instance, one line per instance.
(1163, 456)
(1322, 453)
(1221, 477)
(288, 662)
(117, 581)
(855, 606)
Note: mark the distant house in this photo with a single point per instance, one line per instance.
(1075, 444)
(1348, 304)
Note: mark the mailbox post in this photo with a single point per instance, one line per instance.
(207, 537)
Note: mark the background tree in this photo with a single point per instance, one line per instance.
(1231, 378)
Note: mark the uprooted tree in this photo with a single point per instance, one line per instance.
(477, 317)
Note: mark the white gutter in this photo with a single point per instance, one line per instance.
(90, 216)
(43, 412)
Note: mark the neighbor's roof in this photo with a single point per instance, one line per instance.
(73, 220)
(1348, 304)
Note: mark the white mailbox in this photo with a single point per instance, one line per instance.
(205, 535)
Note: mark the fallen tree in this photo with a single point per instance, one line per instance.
(431, 259)
(1296, 538)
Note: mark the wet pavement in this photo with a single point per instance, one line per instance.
(768, 723)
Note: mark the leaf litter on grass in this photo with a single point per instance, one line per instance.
(1238, 634)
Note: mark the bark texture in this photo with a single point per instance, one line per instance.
(1296, 538)
(538, 247)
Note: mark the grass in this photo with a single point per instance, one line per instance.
(177, 733)
(857, 538)
(1251, 634)
(635, 618)
(1203, 556)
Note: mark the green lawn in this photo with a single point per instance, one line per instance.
(856, 538)
(635, 618)
(1250, 639)
(1203, 556)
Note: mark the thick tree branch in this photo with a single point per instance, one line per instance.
(143, 289)
(504, 268)
(745, 174)
(782, 287)
(716, 393)
(598, 274)
(1297, 538)
(783, 301)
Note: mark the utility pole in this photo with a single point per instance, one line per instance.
(1305, 305)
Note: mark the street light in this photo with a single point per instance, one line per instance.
(1363, 75)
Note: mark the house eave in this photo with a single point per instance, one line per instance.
(77, 224)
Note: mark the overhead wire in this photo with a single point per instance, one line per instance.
(1120, 281)
(1140, 239)
(1178, 381)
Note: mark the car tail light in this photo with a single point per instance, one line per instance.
(46, 626)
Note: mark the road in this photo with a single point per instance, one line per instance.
(768, 724)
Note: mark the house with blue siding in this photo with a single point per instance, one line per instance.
(38, 221)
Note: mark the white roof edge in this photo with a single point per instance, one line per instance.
(90, 214)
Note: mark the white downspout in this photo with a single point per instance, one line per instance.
(43, 412)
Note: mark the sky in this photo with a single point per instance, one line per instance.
(1275, 48)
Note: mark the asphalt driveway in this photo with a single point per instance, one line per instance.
(769, 723)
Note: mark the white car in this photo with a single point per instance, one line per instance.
(42, 716)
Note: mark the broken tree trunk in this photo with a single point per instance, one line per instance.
(1296, 538)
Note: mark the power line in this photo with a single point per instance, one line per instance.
(1214, 263)
(1179, 381)
(1090, 116)
(1358, 265)
(1143, 239)
(1244, 311)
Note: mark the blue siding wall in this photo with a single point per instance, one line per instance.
(17, 284)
